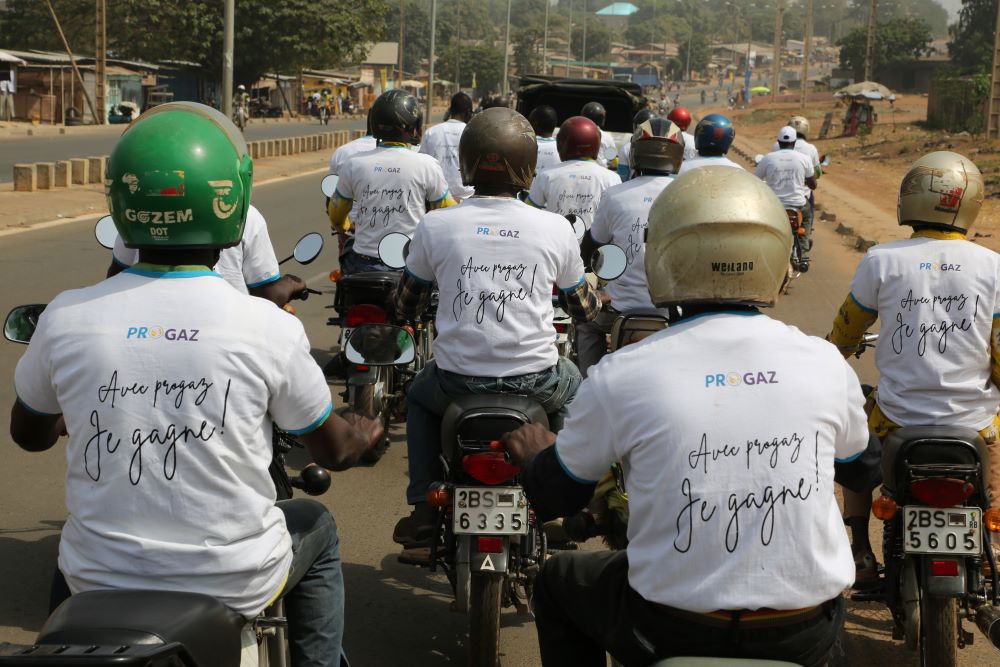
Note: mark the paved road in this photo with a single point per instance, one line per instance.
(397, 614)
(100, 141)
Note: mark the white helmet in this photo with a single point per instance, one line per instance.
(241, 87)
(801, 125)
(943, 189)
(717, 235)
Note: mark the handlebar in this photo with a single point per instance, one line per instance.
(867, 341)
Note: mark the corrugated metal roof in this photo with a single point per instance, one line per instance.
(618, 9)
(383, 53)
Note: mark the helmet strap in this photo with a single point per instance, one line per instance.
(919, 226)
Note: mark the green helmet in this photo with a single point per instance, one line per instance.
(180, 176)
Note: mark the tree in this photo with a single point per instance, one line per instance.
(971, 45)
(598, 41)
(700, 56)
(484, 61)
(416, 32)
(527, 47)
(897, 41)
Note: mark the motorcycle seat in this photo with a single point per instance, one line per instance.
(486, 417)
(923, 445)
(207, 629)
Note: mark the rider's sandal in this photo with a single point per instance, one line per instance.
(866, 572)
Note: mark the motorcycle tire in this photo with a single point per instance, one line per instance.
(938, 631)
(484, 621)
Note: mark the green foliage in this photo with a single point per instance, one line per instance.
(416, 32)
(930, 11)
(971, 45)
(485, 61)
(959, 102)
(897, 41)
(701, 52)
(598, 41)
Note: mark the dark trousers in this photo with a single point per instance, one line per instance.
(584, 608)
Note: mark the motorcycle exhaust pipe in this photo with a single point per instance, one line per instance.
(988, 620)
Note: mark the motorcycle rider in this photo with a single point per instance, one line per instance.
(608, 155)
(656, 152)
(935, 281)
(624, 167)
(441, 143)
(681, 117)
(713, 135)
(495, 261)
(544, 121)
(186, 502)
(576, 185)
(337, 160)
(789, 173)
(241, 105)
(735, 545)
(391, 187)
(801, 126)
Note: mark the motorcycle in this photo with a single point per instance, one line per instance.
(561, 321)
(937, 522)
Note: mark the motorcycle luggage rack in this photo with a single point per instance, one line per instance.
(61, 655)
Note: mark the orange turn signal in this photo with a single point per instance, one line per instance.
(884, 508)
(991, 519)
(439, 496)
(335, 275)
(801, 231)
(289, 308)
(409, 329)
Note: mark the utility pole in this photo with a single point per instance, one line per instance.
(776, 60)
(583, 55)
(506, 49)
(72, 62)
(993, 112)
(807, 49)
(227, 57)
(870, 48)
(545, 40)
(458, 46)
(430, 68)
(402, 18)
(100, 61)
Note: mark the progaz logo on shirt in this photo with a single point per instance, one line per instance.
(157, 332)
(494, 231)
(735, 379)
(939, 266)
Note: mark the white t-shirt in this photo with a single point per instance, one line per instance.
(441, 143)
(786, 172)
(804, 147)
(937, 300)
(390, 187)
(166, 381)
(495, 261)
(621, 219)
(250, 264)
(731, 496)
(609, 150)
(706, 161)
(548, 156)
(690, 152)
(341, 155)
(574, 186)
(624, 155)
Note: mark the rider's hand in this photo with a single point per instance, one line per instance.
(294, 285)
(527, 441)
(371, 429)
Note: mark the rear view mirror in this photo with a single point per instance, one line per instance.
(20, 324)
(609, 262)
(329, 185)
(106, 232)
(757, 158)
(393, 249)
(825, 162)
(308, 248)
(380, 345)
(579, 226)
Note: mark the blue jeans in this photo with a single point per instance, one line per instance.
(314, 592)
(352, 262)
(433, 391)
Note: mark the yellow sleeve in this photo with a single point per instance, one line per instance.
(337, 210)
(850, 326)
(613, 164)
(445, 202)
(995, 352)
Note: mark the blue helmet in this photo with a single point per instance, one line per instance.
(714, 131)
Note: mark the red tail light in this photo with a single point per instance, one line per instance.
(489, 545)
(944, 568)
(365, 313)
(941, 491)
(489, 468)
(561, 328)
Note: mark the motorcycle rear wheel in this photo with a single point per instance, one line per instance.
(484, 620)
(938, 631)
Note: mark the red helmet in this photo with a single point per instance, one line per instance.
(680, 117)
(578, 137)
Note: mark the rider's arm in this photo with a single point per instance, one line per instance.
(34, 431)
(35, 418)
(536, 195)
(811, 182)
(413, 292)
(443, 202)
(995, 351)
(337, 210)
(857, 461)
(337, 444)
(436, 189)
(859, 310)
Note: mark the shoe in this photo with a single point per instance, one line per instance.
(416, 528)
(866, 571)
(987, 570)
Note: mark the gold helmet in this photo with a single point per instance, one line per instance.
(941, 189)
(801, 125)
(717, 235)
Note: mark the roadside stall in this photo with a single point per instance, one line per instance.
(858, 99)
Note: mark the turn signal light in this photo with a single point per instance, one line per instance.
(884, 508)
(409, 329)
(944, 568)
(489, 545)
(439, 496)
(335, 275)
(801, 231)
(489, 467)
(289, 308)
(942, 491)
(991, 519)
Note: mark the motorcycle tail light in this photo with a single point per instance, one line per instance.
(801, 231)
(489, 468)
(364, 313)
(884, 508)
(360, 367)
(991, 519)
(489, 545)
(944, 568)
(560, 328)
(942, 491)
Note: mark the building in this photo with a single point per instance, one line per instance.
(615, 15)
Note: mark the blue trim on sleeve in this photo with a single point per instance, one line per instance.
(850, 458)
(441, 199)
(121, 263)
(863, 307)
(574, 286)
(337, 193)
(170, 274)
(276, 277)
(530, 202)
(569, 473)
(315, 425)
(411, 274)
(34, 411)
(996, 315)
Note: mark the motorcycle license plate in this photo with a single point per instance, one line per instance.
(490, 510)
(955, 530)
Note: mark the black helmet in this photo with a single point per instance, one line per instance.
(595, 112)
(544, 120)
(498, 148)
(396, 116)
(657, 145)
(640, 118)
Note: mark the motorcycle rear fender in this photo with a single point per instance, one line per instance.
(484, 563)
(358, 378)
(942, 587)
